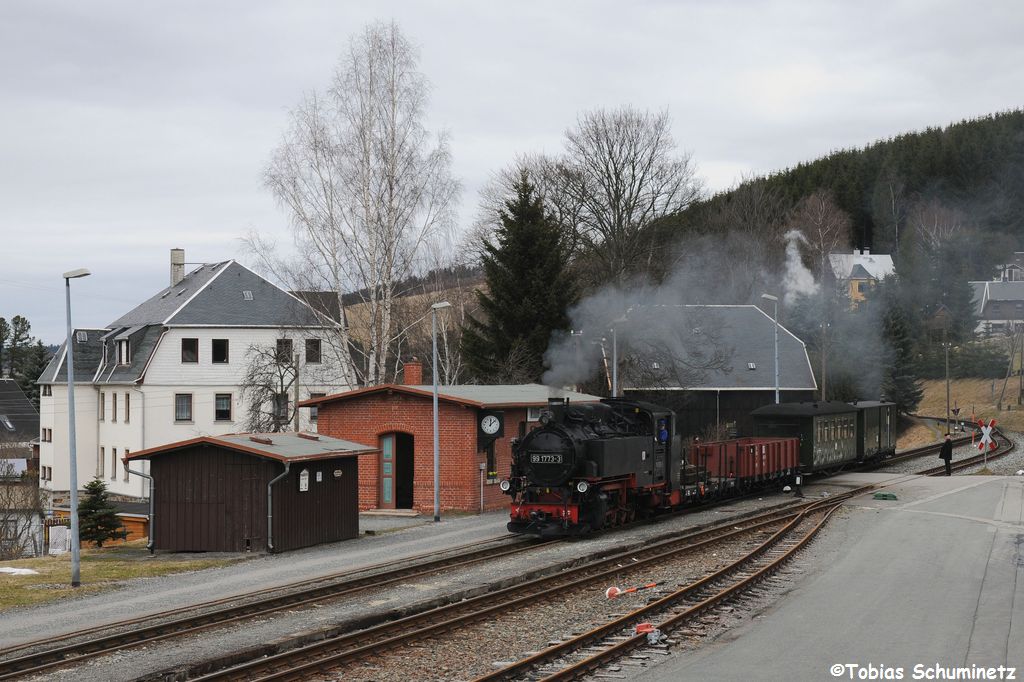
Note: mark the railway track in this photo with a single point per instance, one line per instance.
(196, 618)
(344, 655)
(82, 645)
(589, 651)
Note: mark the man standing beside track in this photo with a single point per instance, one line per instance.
(946, 454)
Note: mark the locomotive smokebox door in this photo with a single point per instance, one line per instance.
(490, 425)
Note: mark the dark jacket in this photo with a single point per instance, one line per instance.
(947, 450)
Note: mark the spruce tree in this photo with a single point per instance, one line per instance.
(97, 516)
(899, 381)
(529, 290)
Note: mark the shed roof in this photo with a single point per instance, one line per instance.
(283, 446)
(472, 395)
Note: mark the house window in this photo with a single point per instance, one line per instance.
(284, 351)
(123, 352)
(125, 464)
(47, 435)
(281, 408)
(222, 407)
(314, 412)
(127, 407)
(312, 351)
(113, 464)
(190, 350)
(101, 461)
(182, 407)
(47, 390)
(113, 407)
(219, 349)
(103, 405)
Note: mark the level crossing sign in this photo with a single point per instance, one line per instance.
(986, 434)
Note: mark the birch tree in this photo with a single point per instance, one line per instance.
(826, 227)
(366, 185)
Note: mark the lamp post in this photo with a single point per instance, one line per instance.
(437, 445)
(75, 550)
(775, 320)
(615, 355)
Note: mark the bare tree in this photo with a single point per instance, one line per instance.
(268, 384)
(20, 512)
(826, 227)
(621, 170)
(935, 222)
(672, 347)
(365, 183)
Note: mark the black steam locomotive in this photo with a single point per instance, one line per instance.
(591, 465)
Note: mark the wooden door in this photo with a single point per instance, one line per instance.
(387, 472)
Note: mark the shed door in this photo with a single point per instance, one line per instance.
(387, 472)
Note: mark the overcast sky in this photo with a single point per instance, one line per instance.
(129, 128)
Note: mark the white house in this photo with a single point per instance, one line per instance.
(173, 369)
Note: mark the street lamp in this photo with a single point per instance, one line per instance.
(75, 550)
(775, 320)
(615, 355)
(437, 446)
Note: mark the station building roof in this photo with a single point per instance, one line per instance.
(470, 395)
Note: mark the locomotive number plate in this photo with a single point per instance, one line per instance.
(537, 458)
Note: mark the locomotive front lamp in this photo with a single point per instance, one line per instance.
(583, 486)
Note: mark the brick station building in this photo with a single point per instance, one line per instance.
(475, 425)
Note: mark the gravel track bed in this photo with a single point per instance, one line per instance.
(1008, 465)
(474, 649)
(912, 466)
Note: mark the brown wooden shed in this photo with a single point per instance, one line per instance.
(253, 492)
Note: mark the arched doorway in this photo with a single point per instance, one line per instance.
(396, 471)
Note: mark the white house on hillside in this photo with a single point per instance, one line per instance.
(172, 369)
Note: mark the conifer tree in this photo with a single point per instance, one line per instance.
(97, 516)
(899, 381)
(529, 290)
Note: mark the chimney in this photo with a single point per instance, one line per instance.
(177, 266)
(866, 252)
(412, 372)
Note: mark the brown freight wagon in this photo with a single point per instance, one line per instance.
(748, 460)
(252, 492)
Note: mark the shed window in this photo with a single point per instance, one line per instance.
(190, 350)
(219, 350)
(222, 407)
(182, 407)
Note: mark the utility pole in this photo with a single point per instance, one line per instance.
(296, 418)
(945, 345)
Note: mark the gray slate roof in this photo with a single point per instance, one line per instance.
(983, 292)
(283, 446)
(746, 333)
(87, 354)
(17, 410)
(214, 294)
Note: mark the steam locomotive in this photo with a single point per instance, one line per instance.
(594, 465)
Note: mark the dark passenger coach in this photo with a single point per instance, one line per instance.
(253, 492)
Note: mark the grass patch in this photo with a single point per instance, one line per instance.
(101, 569)
(984, 471)
(977, 396)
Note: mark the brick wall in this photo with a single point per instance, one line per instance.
(365, 419)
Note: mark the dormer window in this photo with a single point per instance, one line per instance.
(5, 421)
(751, 365)
(81, 337)
(123, 352)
